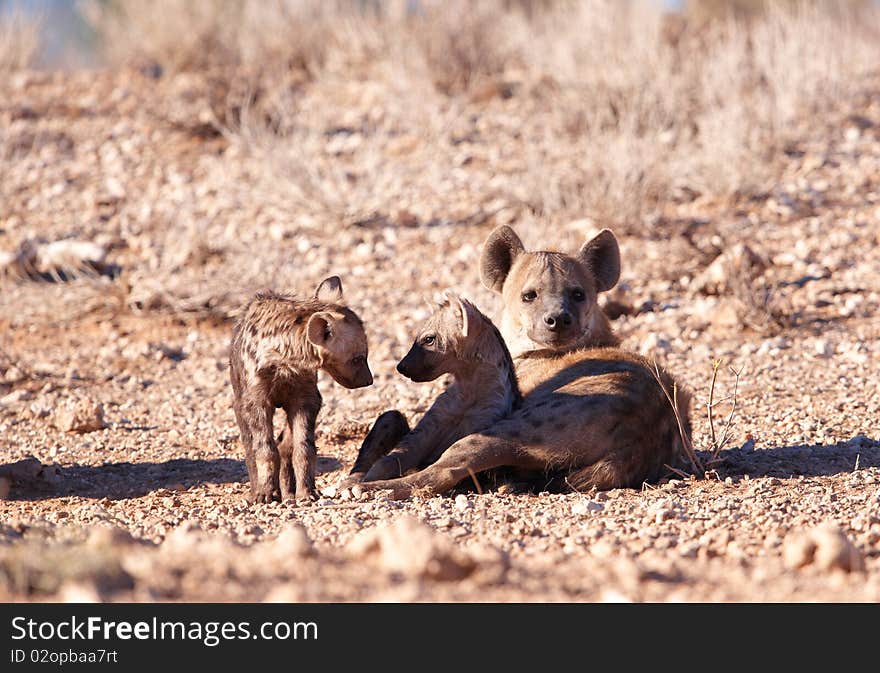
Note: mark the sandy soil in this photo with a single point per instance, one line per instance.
(150, 505)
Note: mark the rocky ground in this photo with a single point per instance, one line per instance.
(113, 373)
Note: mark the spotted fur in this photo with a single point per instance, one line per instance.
(278, 345)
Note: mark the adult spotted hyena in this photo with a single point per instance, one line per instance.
(278, 345)
(592, 414)
(456, 339)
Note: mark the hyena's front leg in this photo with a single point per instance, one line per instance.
(247, 442)
(264, 454)
(421, 447)
(411, 452)
(386, 432)
(286, 477)
(470, 455)
(303, 453)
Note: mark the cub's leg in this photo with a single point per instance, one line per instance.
(286, 476)
(412, 452)
(386, 432)
(247, 441)
(419, 448)
(263, 458)
(303, 453)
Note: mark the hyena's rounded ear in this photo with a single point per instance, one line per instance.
(463, 307)
(601, 254)
(319, 329)
(499, 252)
(330, 290)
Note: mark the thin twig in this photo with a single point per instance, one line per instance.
(673, 401)
(476, 482)
(727, 422)
(717, 445)
(715, 365)
(675, 470)
(721, 401)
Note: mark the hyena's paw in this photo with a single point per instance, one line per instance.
(306, 496)
(346, 483)
(264, 493)
(387, 467)
(395, 489)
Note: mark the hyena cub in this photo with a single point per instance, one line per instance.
(456, 339)
(278, 346)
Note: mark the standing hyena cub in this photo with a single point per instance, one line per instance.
(278, 346)
(456, 339)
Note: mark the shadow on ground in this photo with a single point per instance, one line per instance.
(118, 481)
(133, 480)
(801, 460)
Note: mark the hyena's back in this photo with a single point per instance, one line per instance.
(271, 331)
(600, 416)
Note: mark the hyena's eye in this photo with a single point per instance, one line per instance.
(531, 295)
(578, 295)
(358, 360)
(428, 340)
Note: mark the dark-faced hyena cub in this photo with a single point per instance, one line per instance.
(278, 345)
(456, 339)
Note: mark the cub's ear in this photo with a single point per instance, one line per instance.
(499, 252)
(319, 329)
(464, 309)
(601, 255)
(330, 290)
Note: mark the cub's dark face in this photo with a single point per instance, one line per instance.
(435, 350)
(425, 360)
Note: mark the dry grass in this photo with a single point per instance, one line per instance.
(714, 442)
(718, 442)
(193, 35)
(684, 432)
(603, 109)
(19, 41)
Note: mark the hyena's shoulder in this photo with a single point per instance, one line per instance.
(270, 313)
(271, 329)
(599, 370)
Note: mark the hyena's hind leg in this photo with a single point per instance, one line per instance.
(286, 475)
(499, 446)
(385, 434)
(629, 466)
(261, 452)
(299, 440)
(247, 441)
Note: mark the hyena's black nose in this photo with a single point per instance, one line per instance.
(555, 321)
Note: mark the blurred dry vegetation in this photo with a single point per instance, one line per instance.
(19, 41)
(398, 113)
(349, 115)
(623, 104)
